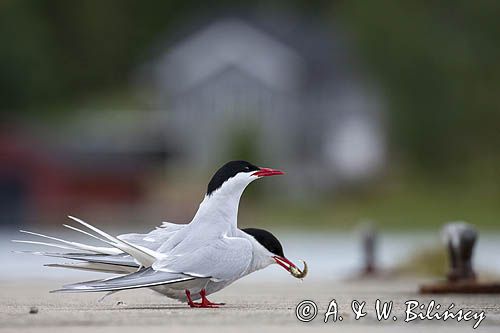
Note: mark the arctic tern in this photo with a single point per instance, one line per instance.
(186, 262)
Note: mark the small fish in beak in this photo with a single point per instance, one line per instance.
(291, 267)
(297, 272)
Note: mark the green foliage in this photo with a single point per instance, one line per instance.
(439, 64)
(437, 61)
(243, 144)
(404, 204)
(57, 51)
(431, 261)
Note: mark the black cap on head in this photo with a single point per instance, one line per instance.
(228, 170)
(266, 239)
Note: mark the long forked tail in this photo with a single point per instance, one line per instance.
(67, 245)
(143, 256)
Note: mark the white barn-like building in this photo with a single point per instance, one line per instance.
(285, 92)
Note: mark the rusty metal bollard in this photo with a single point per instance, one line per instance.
(460, 238)
(369, 244)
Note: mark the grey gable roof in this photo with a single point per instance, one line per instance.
(285, 51)
(230, 43)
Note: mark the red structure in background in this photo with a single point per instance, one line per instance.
(37, 183)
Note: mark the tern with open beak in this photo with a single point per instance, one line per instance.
(186, 262)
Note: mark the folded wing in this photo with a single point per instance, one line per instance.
(146, 277)
(222, 259)
(155, 238)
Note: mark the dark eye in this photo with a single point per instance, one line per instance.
(247, 168)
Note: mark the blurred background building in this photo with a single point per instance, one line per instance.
(280, 89)
(120, 111)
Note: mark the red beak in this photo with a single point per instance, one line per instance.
(284, 262)
(266, 172)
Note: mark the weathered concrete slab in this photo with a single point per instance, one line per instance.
(250, 307)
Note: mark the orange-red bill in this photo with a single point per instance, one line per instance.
(266, 172)
(284, 262)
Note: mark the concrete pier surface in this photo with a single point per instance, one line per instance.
(250, 306)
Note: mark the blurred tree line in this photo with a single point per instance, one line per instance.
(437, 61)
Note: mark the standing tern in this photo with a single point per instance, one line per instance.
(184, 262)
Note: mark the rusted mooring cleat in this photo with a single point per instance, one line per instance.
(369, 268)
(460, 239)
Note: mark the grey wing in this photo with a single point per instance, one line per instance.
(95, 267)
(223, 259)
(146, 277)
(154, 239)
(118, 263)
(118, 259)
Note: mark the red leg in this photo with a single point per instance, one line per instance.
(205, 303)
(204, 299)
(190, 301)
